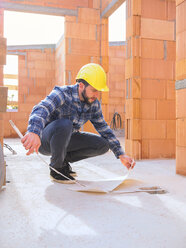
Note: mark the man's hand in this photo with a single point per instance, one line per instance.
(127, 161)
(31, 142)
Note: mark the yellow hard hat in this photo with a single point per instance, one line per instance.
(94, 75)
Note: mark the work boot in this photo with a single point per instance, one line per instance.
(62, 179)
(71, 172)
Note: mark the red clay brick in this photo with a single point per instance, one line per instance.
(136, 87)
(133, 26)
(171, 92)
(157, 69)
(148, 109)
(104, 48)
(180, 160)
(154, 9)
(132, 67)
(87, 15)
(181, 132)
(84, 47)
(34, 98)
(144, 148)
(180, 17)
(40, 73)
(180, 45)
(26, 107)
(181, 69)
(152, 49)
(171, 129)
(157, 29)
(132, 107)
(136, 7)
(171, 10)
(136, 129)
(96, 4)
(153, 129)
(181, 103)
(105, 97)
(80, 31)
(36, 56)
(166, 109)
(171, 50)
(70, 18)
(162, 149)
(153, 89)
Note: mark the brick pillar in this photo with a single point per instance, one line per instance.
(2, 57)
(2, 62)
(86, 41)
(3, 90)
(150, 65)
(181, 87)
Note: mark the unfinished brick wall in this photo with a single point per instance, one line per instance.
(150, 75)
(150, 64)
(36, 79)
(117, 55)
(181, 87)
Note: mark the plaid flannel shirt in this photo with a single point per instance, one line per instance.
(64, 102)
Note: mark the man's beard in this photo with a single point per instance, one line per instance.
(85, 98)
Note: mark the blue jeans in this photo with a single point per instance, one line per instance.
(59, 142)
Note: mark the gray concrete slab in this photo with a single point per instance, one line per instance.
(36, 212)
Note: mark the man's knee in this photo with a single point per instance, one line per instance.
(103, 147)
(63, 125)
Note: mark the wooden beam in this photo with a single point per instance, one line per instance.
(14, 103)
(10, 76)
(11, 87)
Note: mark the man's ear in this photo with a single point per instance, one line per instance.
(81, 86)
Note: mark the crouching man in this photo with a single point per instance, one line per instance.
(55, 122)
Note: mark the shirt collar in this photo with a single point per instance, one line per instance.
(75, 93)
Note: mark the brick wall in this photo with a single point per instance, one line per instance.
(2, 62)
(35, 80)
(150, 78)
(149, 68)
(181, 87)
(158, 53)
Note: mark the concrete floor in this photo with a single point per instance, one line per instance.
(37, 213)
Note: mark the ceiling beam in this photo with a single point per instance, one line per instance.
(38, 9)
(111, 7)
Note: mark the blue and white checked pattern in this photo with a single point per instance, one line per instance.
(64, 102)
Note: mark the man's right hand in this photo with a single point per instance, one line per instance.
(31, 142)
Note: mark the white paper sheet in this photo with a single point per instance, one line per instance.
(99, 185)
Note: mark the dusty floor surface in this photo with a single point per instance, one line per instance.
(37, 213)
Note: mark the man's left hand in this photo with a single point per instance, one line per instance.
(127, 161)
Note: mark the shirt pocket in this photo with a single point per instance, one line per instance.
(66, 111)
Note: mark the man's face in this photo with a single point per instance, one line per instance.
(90, 94)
